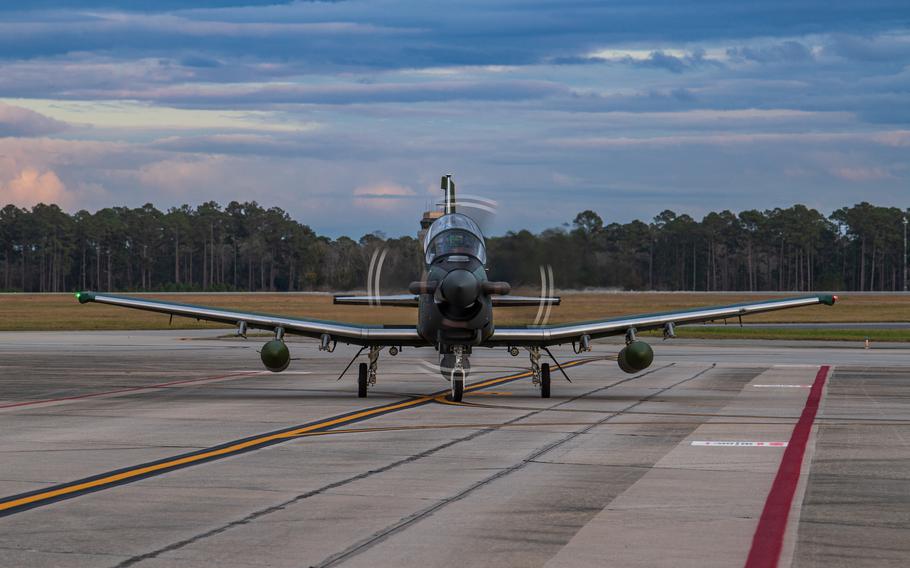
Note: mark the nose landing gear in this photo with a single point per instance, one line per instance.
(454, 367)
(459, 373)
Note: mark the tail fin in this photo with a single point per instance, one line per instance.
(448, 187)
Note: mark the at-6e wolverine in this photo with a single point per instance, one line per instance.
(454, 304)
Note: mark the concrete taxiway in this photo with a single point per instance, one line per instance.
(158, 449)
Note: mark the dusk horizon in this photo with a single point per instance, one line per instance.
(345, 114)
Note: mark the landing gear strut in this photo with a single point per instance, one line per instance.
(366, 376)
(535, 365)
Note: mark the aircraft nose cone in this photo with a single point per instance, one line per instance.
(460, 288)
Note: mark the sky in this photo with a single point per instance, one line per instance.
(346, 113)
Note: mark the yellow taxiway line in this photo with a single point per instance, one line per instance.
(16, 503)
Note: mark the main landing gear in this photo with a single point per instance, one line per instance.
(366, 375)
(540, 374)
(545, 380)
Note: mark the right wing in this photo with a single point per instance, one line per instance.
(569, 333)
(524, 301)
(355, 334)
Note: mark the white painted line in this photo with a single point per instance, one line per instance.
(784, 386)
(737, 444)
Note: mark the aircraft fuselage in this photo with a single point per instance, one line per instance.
(458, 312)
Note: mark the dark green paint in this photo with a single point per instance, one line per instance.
(275, 356)
(636, 356)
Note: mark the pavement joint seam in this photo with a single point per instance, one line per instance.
(405, 522)
(326, 488)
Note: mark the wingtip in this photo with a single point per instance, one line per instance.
(84, 296)
(828, 299)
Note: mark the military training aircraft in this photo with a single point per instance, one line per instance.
(454, 302)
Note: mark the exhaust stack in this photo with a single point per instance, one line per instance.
(448, 188)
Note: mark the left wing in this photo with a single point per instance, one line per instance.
(399, 300)
(567, 333)
(356, 334)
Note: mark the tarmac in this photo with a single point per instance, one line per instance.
(160, 449)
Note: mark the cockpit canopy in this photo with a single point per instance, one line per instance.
(454, 234)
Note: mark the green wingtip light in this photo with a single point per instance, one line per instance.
(78, 295)
(83, 297)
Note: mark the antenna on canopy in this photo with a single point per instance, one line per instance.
(448, 188)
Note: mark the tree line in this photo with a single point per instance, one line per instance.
(247, 247)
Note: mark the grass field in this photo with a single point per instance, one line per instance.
(735, 332)
(35, 312)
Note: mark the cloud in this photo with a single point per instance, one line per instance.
(673, 63)
(896, 138)
(296, 103)
(888, 48)
(137, 5)
(784, 52)
(241, 144)
(16, 121)
(382, 196)
(180, 176)
(199, 61)
(725, 138)
(862, 174)
(320, 144)
(337, 94)
(396, 34)
(32, 186)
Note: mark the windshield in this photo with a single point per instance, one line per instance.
(455, 241)
(455, 234)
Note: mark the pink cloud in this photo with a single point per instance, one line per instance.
(895, 138)
(17, 121)
(181, 176)
(31, 187)
(381, 195)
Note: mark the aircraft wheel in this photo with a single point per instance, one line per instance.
(362, 381)
(457, 388)
(545, 380)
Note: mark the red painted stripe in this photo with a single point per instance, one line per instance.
(769, 535)
(127, 389)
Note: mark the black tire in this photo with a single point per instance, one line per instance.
(362, 380)
(457, 389)
(545, 380)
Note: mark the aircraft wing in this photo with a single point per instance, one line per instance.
(568, 333)
(400, 300)
(524, 301)
(411, 301)
(355, 334)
